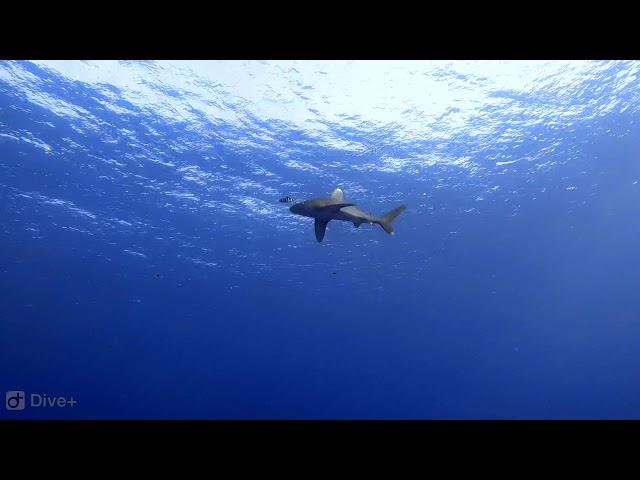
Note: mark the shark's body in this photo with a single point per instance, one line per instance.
(323, 210)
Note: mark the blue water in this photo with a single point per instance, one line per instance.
(149, 271)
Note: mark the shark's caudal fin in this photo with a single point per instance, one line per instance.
(385, 221)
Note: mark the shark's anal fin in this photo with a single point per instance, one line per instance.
(335, 208)
(321, 228)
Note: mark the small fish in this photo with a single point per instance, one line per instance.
(287, 199)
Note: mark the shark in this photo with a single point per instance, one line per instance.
(323, 210)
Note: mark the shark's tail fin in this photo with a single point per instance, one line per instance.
(385, 220)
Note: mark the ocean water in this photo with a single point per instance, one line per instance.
(148, 270)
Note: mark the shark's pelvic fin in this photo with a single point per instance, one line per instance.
(385, 221)
(337, 195)
(321, 228)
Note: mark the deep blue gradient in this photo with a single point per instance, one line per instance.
(149, 271)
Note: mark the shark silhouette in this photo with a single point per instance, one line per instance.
(323, 210)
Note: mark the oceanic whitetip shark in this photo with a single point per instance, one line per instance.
(323, 210)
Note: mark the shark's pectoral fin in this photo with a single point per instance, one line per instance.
(321, 228)
(356, 224)
(335, 208)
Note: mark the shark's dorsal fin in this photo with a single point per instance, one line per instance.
(321, 228)
(338, 195)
